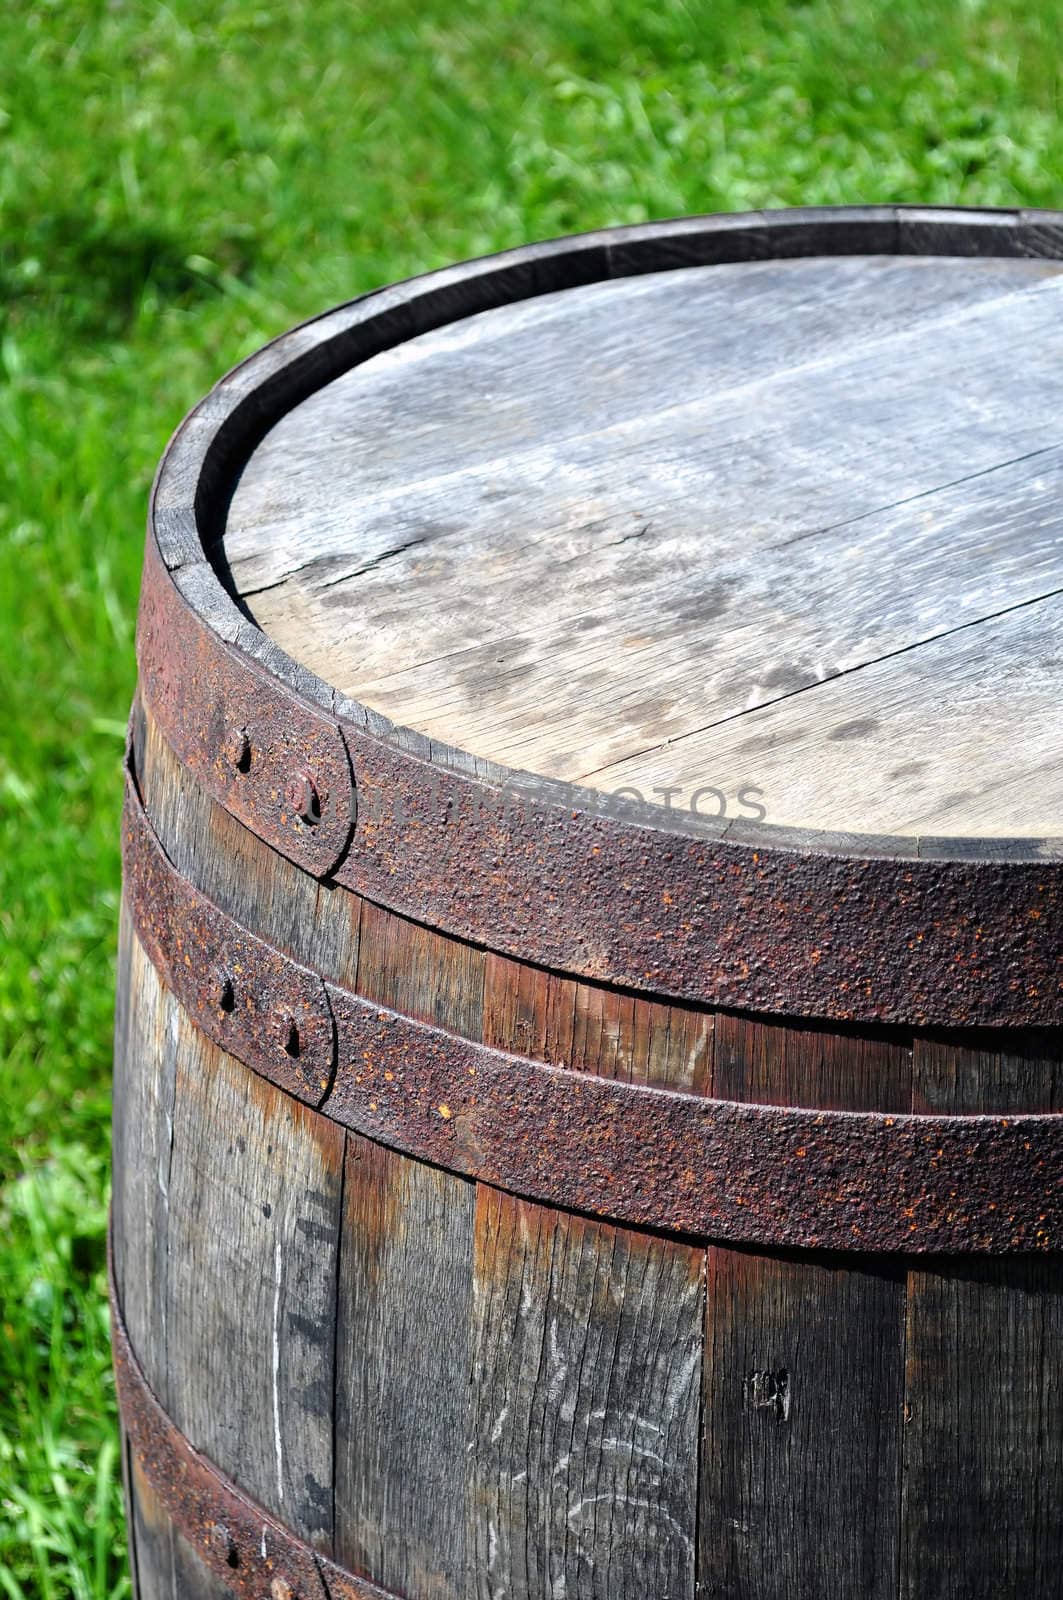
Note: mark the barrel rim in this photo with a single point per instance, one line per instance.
(836, 230)
(201, 465)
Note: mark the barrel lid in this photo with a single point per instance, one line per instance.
(736, 529)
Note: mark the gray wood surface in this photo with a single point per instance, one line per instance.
(596, 535)
(404, 1373)
(255, 1195)
(145, 1072)
(803, 1360)
(587, 1361)
(983, 1435)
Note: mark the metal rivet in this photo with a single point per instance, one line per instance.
(281, 1589)
(222, 1542)
(303, 797)
(238, 750)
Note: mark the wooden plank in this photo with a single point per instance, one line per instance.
(422, 973)
(961, 735)
(566, 595)
(145, 1070)
(562, 368)
(595, 1029)
(983, 1436)
(803, 1360)
(403, 1373)
(405, 1304)
(583, 1474)
(255, 1201)
(801, 1443)
(792, 1063)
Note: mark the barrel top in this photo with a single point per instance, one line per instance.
(778, 537)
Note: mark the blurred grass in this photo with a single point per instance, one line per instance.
(178, 183)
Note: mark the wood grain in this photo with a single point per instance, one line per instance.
(145, 1073)
(583, 1474)
(404, 1373)
(604, 1031)
(590, 534)
(804, 1358)
(983, 1436)
(801, 1447)
(255, 1195)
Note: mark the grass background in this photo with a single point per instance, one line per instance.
(180, 182)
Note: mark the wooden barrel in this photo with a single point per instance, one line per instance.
(588, 1082)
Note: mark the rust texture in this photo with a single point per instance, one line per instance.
(251, 742)
(790, 928)
(714, 1169)
(255, 1556)
(923, 932)
(251, 999)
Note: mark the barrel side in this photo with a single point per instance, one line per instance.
(455, 1393)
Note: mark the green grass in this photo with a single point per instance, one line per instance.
(179, 182)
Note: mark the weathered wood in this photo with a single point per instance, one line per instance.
(801, 1451)
(251, 1283)
(692, 495)
(958, 736)
(403, 1396)
(583, 1473)
(145, 1072)
(421, 972)
(604, 1031)
(804, 1356)
(983, 1435)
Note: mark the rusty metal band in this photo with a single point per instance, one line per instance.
(929, 932)
(636, 1154)
(249, 1550)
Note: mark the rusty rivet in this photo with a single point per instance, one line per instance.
(238, 750)
(281, 1589)
(303, 797)
(222, 1543)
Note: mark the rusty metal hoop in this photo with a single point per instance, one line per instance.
(715, 1169)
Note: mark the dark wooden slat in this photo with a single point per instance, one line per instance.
(255, 1199)
(983, 1440)
(586, 1367)
(789, 1063)
(801, 1447)
(594, 1029)
(403, 1373)
(420, 972)
(145, 1070)
(405, 1304)
(804, 1360)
